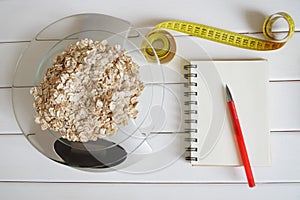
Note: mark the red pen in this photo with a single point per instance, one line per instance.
(239, 138)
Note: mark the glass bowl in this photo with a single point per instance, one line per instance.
(38, 57)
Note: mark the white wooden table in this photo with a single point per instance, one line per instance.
(27, 174)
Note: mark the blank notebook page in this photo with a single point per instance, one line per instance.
(248, 81)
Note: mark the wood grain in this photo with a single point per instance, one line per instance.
(78, 191)
(241, 16)
(22, 162)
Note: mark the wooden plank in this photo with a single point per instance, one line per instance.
(239, 16)
(9, 54)
(8, 123)
(284, 104)
(284, 63)
(21, 162)
(78, 191)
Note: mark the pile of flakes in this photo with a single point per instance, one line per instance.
(90, 90)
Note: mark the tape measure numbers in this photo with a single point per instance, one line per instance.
(215, 34)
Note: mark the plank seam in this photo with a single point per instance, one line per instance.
(154, 183)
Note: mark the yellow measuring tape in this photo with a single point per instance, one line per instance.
(165, 46)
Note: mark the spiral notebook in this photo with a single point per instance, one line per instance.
(211, 134)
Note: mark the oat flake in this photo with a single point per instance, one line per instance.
(90, 90)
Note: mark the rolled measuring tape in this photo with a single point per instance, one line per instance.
(164, 44)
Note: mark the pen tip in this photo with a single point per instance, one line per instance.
(228, 94)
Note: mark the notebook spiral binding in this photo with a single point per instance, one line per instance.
(188, 109)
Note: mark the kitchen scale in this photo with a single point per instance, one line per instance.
(152, 141)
